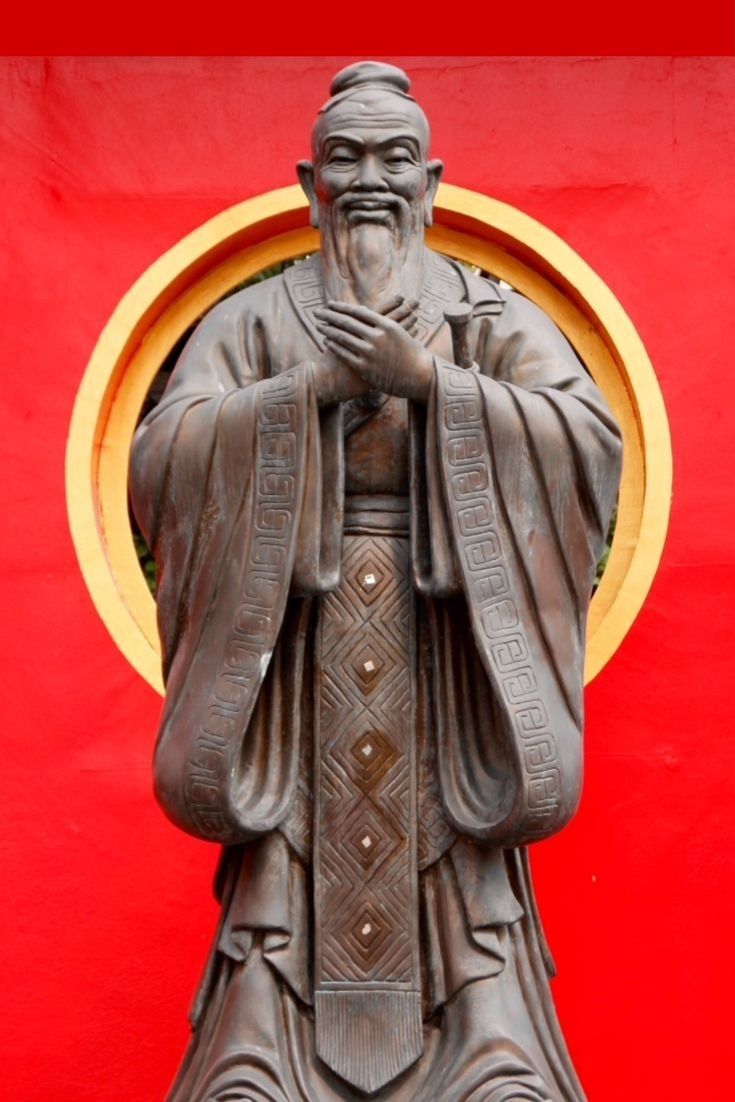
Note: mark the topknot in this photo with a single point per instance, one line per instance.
(367, 73)
(367, 82)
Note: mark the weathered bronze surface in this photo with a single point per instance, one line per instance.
(376, 488)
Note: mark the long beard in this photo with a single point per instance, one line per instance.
(372, 261)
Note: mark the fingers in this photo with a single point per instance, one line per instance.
(361, 321)
(402, 310)
(358, 313)
(365, 340)
(390, 304)
(333, 319)
(345, 340)
(405, 316)
(396, 308)
(352, 359)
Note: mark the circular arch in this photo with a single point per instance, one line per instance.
(240, 242)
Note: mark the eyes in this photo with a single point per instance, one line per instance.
(395, 158)
(342, 157)
(399, 158)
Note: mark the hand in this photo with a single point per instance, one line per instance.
(379, 347)
(334, 379)
(335, 382)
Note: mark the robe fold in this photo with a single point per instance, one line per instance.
(506, 480)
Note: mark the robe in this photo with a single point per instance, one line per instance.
(501, 488)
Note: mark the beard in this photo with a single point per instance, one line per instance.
(372, 249)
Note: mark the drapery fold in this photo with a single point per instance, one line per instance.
(237, 481)
(222, 473)
(528, 462)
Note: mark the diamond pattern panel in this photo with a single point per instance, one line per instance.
(365, 794)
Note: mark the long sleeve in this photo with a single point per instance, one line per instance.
(220, 472)
(524, 459)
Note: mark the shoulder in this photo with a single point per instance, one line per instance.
(521, 317)
(252, 333)
(264, 301)
(489, 297)
(468, 283)
(257, 300)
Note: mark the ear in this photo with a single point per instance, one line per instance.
(305, 170)
(434, 171)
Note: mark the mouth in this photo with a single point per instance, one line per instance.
(365, 204)
(368, 204)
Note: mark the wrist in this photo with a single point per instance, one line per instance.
(325, 383)
(423, 377)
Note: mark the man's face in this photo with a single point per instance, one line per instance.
(370, 166)
(371, 173)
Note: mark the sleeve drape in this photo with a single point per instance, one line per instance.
(220, 473)
(528, 459)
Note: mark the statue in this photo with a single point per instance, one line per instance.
(376, 488)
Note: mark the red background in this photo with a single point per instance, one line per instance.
(107, 163)
(564, 28)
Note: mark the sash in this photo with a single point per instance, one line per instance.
(367, 996)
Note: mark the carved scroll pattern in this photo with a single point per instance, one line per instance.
(260, 603)
(494, 602)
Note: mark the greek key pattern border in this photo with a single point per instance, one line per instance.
(267, 558)
(490, 593)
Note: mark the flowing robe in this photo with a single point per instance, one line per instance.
(505, 483)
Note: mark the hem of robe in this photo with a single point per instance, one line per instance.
(257, 1044)
(466, 901)
(485, 987)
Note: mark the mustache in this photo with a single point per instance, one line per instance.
(370, 200)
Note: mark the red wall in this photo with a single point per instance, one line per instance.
(106, 163)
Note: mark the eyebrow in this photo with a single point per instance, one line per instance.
(347, 138)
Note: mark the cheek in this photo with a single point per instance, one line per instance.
(411, 185)
(330, 184)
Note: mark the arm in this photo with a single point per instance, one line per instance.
(220, 472)
(512, 492)
(528, 460)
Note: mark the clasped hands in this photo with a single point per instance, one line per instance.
(371, 350)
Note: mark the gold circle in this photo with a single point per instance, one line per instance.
(192, 276)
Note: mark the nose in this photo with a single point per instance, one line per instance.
(369, 176)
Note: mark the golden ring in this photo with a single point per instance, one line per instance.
(198, 271)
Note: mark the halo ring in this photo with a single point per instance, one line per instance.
(200, 269)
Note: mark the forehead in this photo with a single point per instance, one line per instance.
(372, 117)
(370, 134)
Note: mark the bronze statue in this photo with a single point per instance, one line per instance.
(376, 488)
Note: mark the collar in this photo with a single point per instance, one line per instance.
(443, 285)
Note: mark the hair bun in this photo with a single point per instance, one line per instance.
(370, 72)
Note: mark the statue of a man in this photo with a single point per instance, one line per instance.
(376, 536)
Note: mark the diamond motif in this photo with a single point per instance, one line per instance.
(369, 931)
(368, 841)
(369, 579)
(372, 755)
(367, 665)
